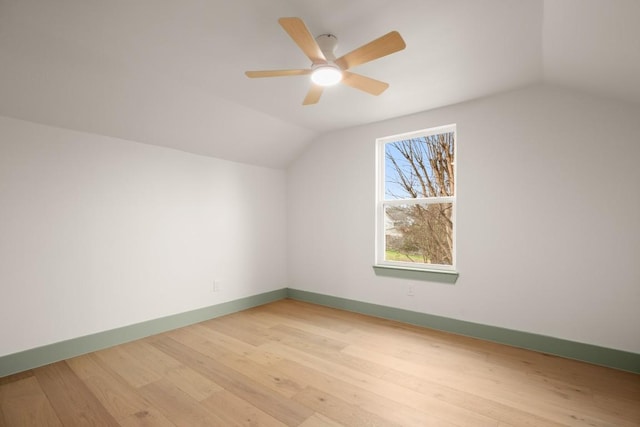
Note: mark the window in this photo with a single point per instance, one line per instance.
(416, 203)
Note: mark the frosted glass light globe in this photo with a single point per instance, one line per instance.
(326, 75)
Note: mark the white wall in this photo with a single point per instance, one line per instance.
(548, 217)
(98, 233)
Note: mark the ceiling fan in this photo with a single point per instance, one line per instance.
(325, 69)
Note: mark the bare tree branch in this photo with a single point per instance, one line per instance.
(423, 167)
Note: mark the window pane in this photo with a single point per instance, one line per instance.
(420, 167)
(419, 233)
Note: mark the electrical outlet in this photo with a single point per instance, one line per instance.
(411, 290)
(216, 286)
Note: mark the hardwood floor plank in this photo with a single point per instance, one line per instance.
(396, 404)
(147, 418)
(23, 403)
(128, 367)
(204, 341)
(119, 398)
(269, 377)
(319, 420)
(580, 374)
(227, 341)
(72, 400)
(16, 377)
(317, 340)
(179, 407)
(309, 313)
(507, 415)
(86, 365)
(240, 384)
(526, 401)
(282, 338)
(330, 369)
(376, 402)
(153, 359)
(230, 345)
(245, 331)
(339, 410)
(269, 320)
(264, 357)
(621, 407)
(192, 383)
(238, 411)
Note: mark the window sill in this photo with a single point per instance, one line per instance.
(440, 276)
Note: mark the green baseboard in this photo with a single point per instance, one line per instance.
(618, 359)
(40, 356)
(32, 358)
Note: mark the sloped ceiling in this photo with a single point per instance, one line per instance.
(594, 45)
(171, 73)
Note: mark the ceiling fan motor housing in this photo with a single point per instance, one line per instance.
(328, 44)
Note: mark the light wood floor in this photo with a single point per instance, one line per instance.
(297, 364)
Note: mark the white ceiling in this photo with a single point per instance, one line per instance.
(594, 45)
(171, 73)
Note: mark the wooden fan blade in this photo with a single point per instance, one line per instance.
(382, 46)
(276, 73)
(306, 42)
(366, 84)
(313, 96)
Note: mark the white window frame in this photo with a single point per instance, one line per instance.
(381, 202)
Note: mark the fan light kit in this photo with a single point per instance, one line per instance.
(326, 75)
(325, 69)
